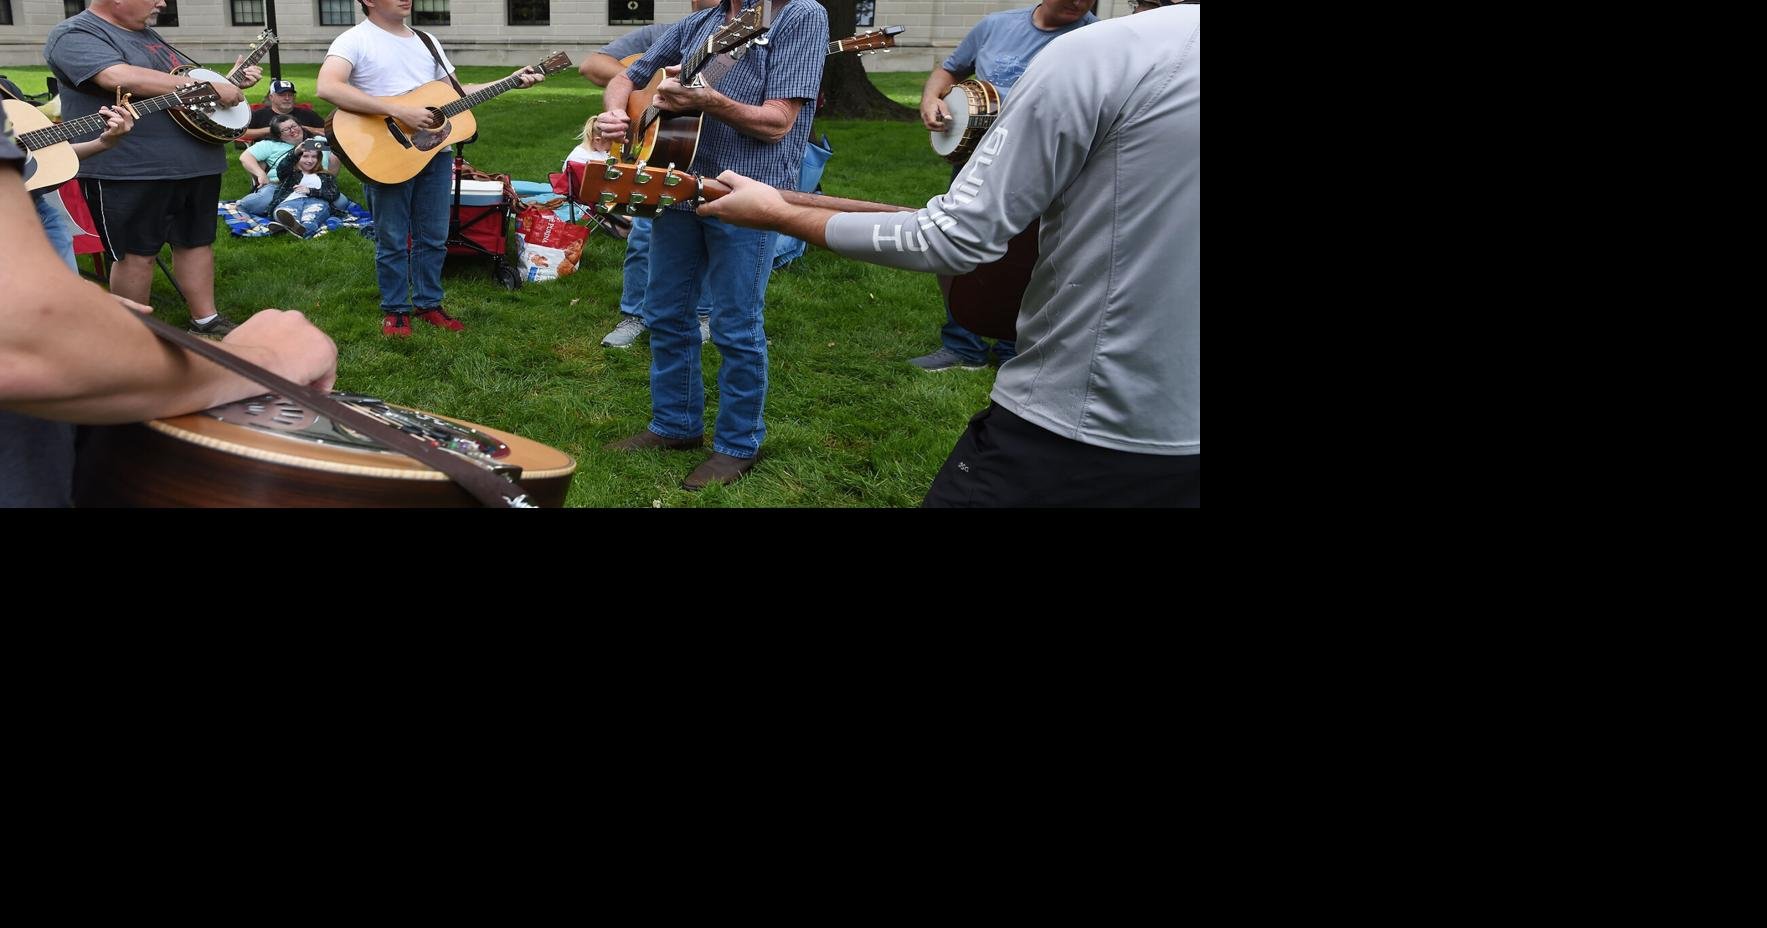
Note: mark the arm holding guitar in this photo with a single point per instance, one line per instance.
(529, 76)
(741, 201)
(600, 69)
(770, 122)
(611, 125)
(334, 88)
(69, 352)
(245, 77)
(117, 123)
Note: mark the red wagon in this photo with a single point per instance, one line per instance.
(479, 217)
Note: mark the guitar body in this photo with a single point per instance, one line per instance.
(672, 139)
(384, 150)
(49, 166)
(221, 126)
(202, 461)
(986, 300)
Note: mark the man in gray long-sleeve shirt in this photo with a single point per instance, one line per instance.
(1102, 139)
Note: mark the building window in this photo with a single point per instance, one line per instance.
(5, 12)
(530, 12)
(865, 13)
(71, 7)
(167, 16)
(248, 12)
(337, 12)
(429, 12)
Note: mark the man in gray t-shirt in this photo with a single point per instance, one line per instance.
(159, 184)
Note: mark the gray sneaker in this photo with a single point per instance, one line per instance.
(945, 359)
(705, 329)
(289, 222)
(625, 333)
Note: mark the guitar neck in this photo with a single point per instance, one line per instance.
(85, 125)
(474, 99)
(712, 190)
(251, 59)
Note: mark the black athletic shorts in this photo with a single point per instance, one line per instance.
(138, 217)
(1002, 460)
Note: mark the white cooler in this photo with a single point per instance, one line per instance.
(481, 193)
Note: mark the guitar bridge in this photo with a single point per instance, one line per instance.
(398, 136)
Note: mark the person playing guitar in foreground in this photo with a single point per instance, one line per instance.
(159, 184)
(70, 353)
(1102, 140)
(383, 57)
(757, 121)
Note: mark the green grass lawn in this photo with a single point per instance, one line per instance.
(850, 423)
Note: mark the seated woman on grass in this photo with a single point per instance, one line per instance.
(263, 159)
(306, 194)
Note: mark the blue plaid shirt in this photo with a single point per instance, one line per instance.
(788, 67)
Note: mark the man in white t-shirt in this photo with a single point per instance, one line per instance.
(382, 57)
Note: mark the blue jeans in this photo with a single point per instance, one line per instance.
(411, 236)
(637, 273)
(57, 225)
(726, 266)
(968, 345)
(311, 211)
(258, 201)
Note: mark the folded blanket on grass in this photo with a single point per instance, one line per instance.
(245, 225)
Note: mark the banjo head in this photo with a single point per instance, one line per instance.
(232, 117)
(973, 104)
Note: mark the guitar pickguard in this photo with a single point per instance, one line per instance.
(429, 139)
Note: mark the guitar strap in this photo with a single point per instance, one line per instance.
(488, 488)
(431, 45)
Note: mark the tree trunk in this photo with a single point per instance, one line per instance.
(847, 93)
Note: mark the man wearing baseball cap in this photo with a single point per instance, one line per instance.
(282, 100)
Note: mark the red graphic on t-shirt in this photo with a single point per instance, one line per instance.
(168, 59)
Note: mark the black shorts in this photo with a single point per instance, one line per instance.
(138, 217)
(1002, 460)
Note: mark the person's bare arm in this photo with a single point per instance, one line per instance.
(146, 82)
(255, 168)
(770, 121)
(934, 115)
(755, 205)
(68, 351)
(613, 122)
(334, 88)
(600, 68)
(117, 123)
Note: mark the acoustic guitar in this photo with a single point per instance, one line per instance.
(658, 136)
(270, 451)
(385, 150)
(226, 124)
(677, 134)
(49, 151)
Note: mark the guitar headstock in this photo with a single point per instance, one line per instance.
(265, 39)
(875, 40)
(553, 63)
(638, 189)
(200, 95)
(738, 32)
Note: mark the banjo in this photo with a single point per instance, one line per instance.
(973, 104)
(224, 125)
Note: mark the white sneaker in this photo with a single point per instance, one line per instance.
(625, 333)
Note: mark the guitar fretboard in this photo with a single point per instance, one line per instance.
(256, 55)
(86, 125)
(474, 99)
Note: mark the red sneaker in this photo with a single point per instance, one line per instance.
(396, 324)
(439, 317)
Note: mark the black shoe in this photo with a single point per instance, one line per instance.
(218, 326)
